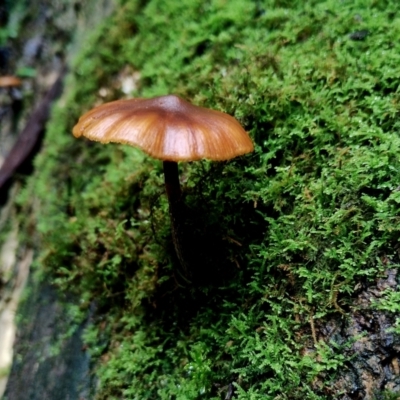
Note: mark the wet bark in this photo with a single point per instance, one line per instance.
(29, 139)
(48, 365)
(372, 350)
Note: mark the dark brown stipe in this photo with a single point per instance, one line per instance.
(176, 210)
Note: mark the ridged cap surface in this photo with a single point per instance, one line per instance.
(166, 127)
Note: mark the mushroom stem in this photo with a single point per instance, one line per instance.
(176, 210)
(172, 184)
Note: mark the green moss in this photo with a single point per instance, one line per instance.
(300, 222)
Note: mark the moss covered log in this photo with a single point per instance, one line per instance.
(295, 232)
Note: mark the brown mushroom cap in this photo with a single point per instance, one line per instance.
(167, 128)
(9, 81)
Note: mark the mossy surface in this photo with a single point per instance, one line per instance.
(301, 223)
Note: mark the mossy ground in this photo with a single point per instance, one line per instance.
(302, 222)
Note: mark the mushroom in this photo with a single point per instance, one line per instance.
(9, 81)
(170, 129)
(11, 85)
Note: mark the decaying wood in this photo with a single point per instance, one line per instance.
(30, 135)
